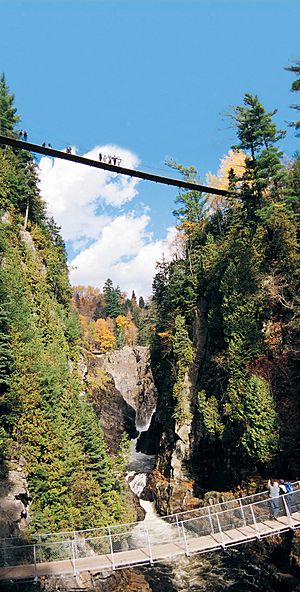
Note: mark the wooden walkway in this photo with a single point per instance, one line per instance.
(200, 534)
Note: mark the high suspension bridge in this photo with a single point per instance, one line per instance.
(204, 530)
(46, 151)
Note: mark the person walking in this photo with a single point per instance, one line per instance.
(274, 493)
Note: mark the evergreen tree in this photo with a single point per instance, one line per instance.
(264, 173)
(112, 297)
(8, 113)
(295, 69)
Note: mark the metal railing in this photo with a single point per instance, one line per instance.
(213, 527)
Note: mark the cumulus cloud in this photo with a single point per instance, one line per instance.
(116, 245)
(76, 194)
(125, 252)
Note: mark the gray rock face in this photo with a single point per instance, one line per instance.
(14, 498)
(131, 371)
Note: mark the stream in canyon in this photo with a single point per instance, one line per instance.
(256, 567)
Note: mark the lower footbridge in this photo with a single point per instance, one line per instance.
(207, 529)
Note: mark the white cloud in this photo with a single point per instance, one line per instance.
(75, 193)
(117, 245)
(125, 252)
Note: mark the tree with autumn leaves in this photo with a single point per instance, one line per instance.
(109, 319)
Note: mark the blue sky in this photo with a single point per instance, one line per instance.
(152, 78)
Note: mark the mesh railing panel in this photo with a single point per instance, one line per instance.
(197, 527)
(53, 551)
(21, 555)
(92, 546)
(228, 515)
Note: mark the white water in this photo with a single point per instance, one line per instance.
(137, 482)
(153, 528)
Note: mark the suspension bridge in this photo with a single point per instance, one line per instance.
(207, 529)
(46, 151)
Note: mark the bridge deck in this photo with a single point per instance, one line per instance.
(189, 545)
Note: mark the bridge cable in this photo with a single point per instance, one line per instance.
(14, 143)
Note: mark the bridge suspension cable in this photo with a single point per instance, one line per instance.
(15, 143)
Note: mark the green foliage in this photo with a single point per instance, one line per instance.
(44, 417)
(112, 295)
(255, 128)
(295, 69)
(252, 405)
(8, 117)
(211, 416)
(184, 354)
(234, 291)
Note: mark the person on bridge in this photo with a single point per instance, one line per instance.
(286, 488)
(274, 493)
(25, 135)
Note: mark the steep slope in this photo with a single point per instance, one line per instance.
(47, 424)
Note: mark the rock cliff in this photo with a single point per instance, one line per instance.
(131, 372)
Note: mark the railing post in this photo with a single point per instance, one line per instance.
(148, 542)
(210, 521)
(73, 559)
(75, 545)
(178, 527)
(34, 560)
(220, 531)
(40, 549)
(254, 522)
(4, 556)
(111, 548)
(242, 512)
(287, 511)
(185, 541)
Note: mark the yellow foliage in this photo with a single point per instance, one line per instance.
(104, 338)
(235, 160)
(131, 334)
(164, 335)
(122, 321)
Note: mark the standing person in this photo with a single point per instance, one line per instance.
(100, 156)
(25, 135)
(274, 493)
(287, 488)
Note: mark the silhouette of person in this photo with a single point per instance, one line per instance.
(25, 135)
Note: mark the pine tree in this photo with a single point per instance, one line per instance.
(8, 117)
(295, 69)
(264, 173)
(113, 297)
